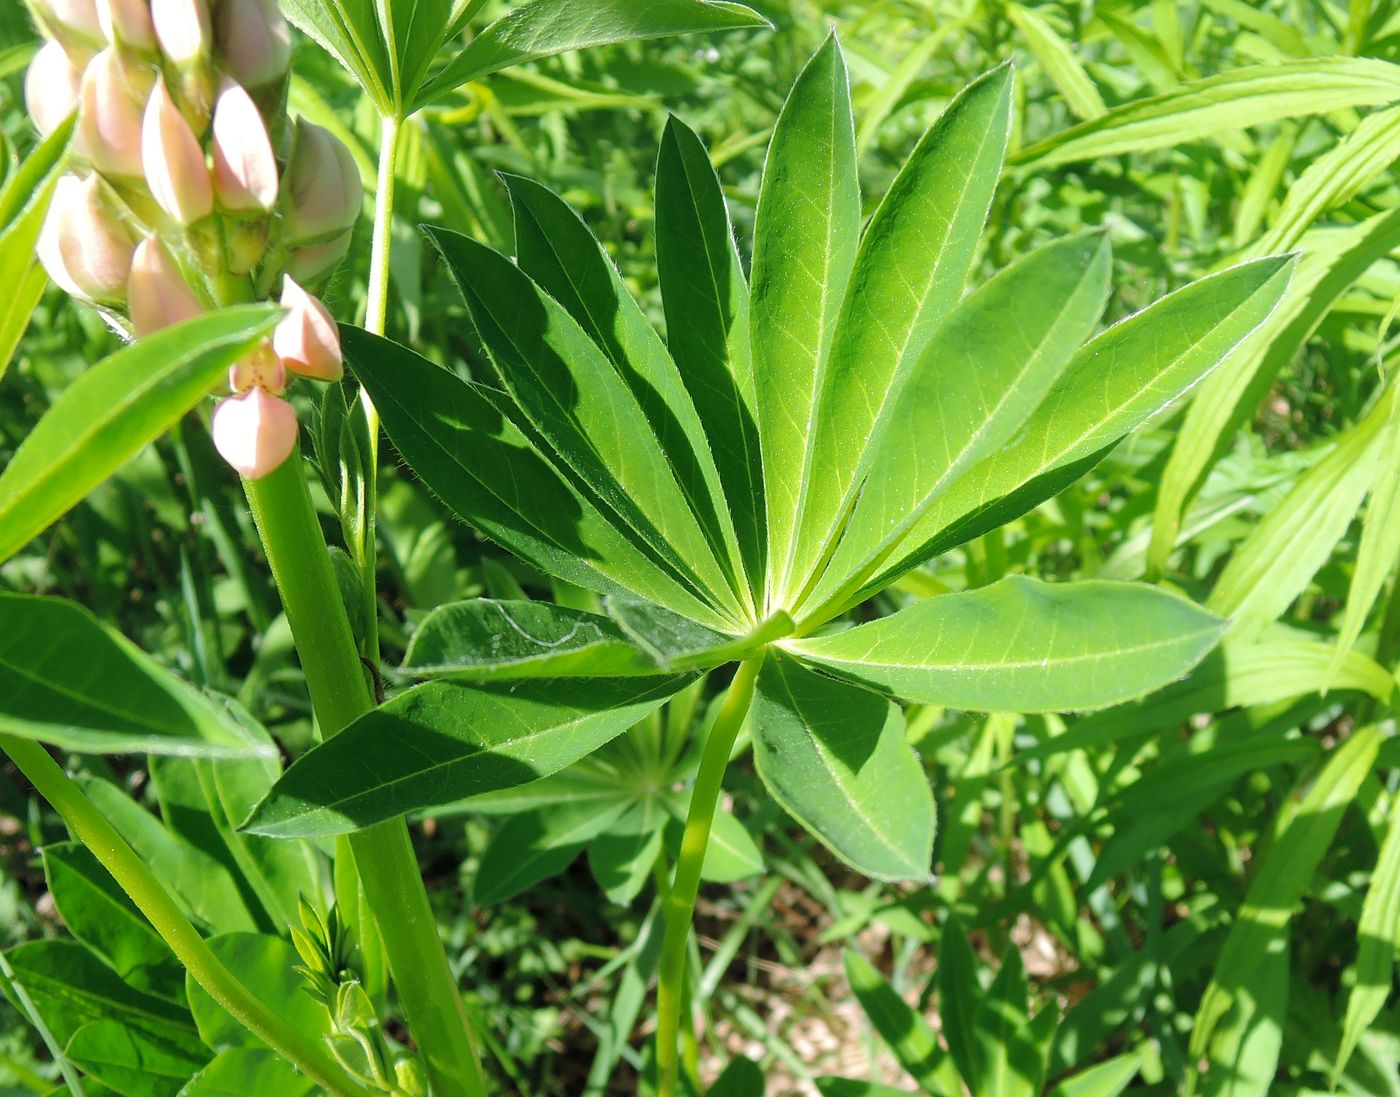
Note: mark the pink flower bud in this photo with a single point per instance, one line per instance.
(157, 294)
(127, 23)
(260, 369)
(71, 21)
(307, 339)
(84, 245)
(109, 121)
(245, 168)
(51, 87)
(182, 27)
(312, 263)
(176, 170)
(254, 42)
(324, 186)
(255, 432)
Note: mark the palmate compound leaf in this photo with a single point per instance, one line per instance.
(441, 742)
(1021, 645)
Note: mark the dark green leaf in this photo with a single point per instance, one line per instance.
(132, 1062)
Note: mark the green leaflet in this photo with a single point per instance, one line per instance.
(908, 273)
(481, 464)
(112, 411)
(706, 299)
(1056, 57)
(1021, 645)
(266, 966)
(133, 1063)
(907, 1034)
(835, 758)
(576, 402)
(972, 389)
(533, 846)
(68, 679)
(249, 1072)
(485, 639)
(1117, 381)
(805, 234)
(451, 741)
(1226, 101)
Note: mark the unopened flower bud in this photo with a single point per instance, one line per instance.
(259, 369)
(83, 245)
(255, 432)
(176, 170)
(72, 22)
(245, 168)
(157, 294)
(310, 264)
(307, 339)
(127, 23)
(51, 87)
(109, 122)
(323, 184)
(254, 41)
(182, 27)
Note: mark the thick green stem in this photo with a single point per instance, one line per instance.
(296, 550)
(680, 900)
(91, 828)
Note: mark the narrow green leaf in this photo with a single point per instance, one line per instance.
(249, 1072)
(1117, 382)
(806, 231)
(851, 1087)
(1244, 97)
(958, 992)
(1021, 645)
(68, 679)
(546, 27)
(112, 411)
(266, 966)
(349, 31)
(583, 410)
(706, 299)
(1106, 1079)
(536, 845)
(1245, 1051)
(1002, 1029)
(907, 1034)
(623, 859)
(556, 249)
(972, 389)
(676, 643)
(1056, 57)
(908, 273)
(1281, 879)
(456, 437)
(835, 758)
(451, 741)
(484, 639)
(133, 1063)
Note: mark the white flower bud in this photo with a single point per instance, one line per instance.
(84, 245)
(255, 432)
(245, 168)
(157, 294)
(323, 184)
(176, 171)
(127, 23)
(182, 28)
(306, 339)
(51, 87)
(254, 41)
(72, 22)
(310, 264)
(109, 121)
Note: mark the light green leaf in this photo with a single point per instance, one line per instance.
(556, 249)
(623, 859)
(1233, 100)
(451, 741)
(546, 27)
(908, 274)
(133, 1063)
(1245, 1051)
(1056, 57)
(68, 679)
(977, 382)
(484, 639)
(1106, 1079)
(459, 440)
(1278, 559)
(907, 1034)
(706, 300)
(115, 409)
(1021, 645)
(1280, 880)
(23, 205)
(249, 1072)
(1117, 381)
(732, 853)
(835, 758)
(266, 966)
(805, 234)
(349, 31)
(576, 402)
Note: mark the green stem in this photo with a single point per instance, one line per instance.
(91, 828)
(680, 900)
(383, 854)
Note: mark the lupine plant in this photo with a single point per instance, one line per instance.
(723, 511)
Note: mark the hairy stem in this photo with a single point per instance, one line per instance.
(91, 828)
(383, 854)
(680, 900)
